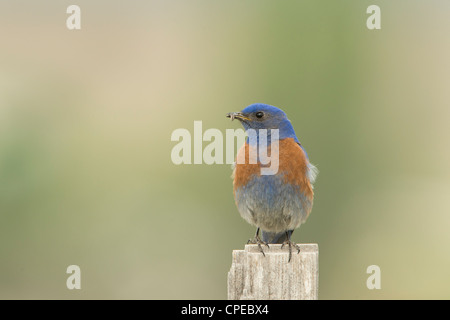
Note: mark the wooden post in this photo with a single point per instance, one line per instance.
(255, 277)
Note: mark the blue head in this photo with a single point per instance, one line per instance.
(262, 116)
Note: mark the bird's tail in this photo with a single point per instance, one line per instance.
(276, 237)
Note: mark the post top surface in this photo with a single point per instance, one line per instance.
(276, 248)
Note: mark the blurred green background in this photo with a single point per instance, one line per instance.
(86, 118)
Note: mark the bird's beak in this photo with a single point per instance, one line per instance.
(237, 115)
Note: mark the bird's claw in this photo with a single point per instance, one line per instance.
(257, 240)
(291, 244)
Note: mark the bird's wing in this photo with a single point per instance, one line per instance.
(312, 169)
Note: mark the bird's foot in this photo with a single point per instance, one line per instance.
(257, 240)
(291, 244)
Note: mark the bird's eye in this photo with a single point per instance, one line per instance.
(259, 114)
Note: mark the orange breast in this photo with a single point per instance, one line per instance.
(244, 171)
(293, 166)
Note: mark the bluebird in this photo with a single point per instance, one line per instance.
(276, 204)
